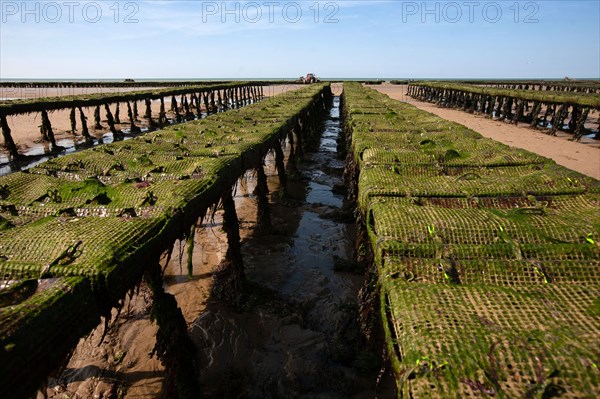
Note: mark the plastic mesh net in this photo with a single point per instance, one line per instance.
(488, 257)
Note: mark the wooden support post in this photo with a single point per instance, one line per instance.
(175, 109)
(135, 111)
(292, 167)
(507, 109)
(262, 194)
(226, 98)
(558, 119)
(472, 104)
(189, 115)
(84, 128)
(231, 225)
(47, 130)
(173, 347)
(190, 251)
(229, 278)
(535, 111)
(298, 129)
(219, 100)
(280, 164)
(574, 117)
(198, 105)
(117, 115)
(213, 105)
(580, 125)
(9, 143)
(148, 113)
(550, 110)
(519, 114)
(162, 114)
(206, 105)
(132, 126)
(111, 123)
(97, 124)
(73, 120)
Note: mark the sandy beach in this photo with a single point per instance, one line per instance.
(583, 157)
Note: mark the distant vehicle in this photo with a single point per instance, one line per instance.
(311, 78)
(129, 80)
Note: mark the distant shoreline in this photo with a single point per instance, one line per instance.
(175, 80)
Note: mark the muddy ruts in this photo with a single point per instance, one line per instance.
(513, 105)
(87, 275)
(27, 106)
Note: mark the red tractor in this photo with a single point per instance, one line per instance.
(310, 78)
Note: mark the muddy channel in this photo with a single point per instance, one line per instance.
(296, 334)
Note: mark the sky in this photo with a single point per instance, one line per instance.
(154, 39)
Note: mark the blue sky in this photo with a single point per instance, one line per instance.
(286, 39)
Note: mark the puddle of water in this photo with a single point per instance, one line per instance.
(321, 194)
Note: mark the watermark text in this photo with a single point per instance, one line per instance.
(469, 11)
(68, 11)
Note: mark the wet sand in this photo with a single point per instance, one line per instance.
(583, 157)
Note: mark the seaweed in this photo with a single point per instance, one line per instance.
(485, 255)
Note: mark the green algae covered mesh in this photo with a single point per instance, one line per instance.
(490, 341)
(413, 222)
(73, 246)
(37, 332)
(490, 271)
(557, 97)
(127, 166)
(488, 257)
(34, 196)
(443, 150)
(537, 181)
(77, 231)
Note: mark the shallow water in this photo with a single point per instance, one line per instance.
(300, 335)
